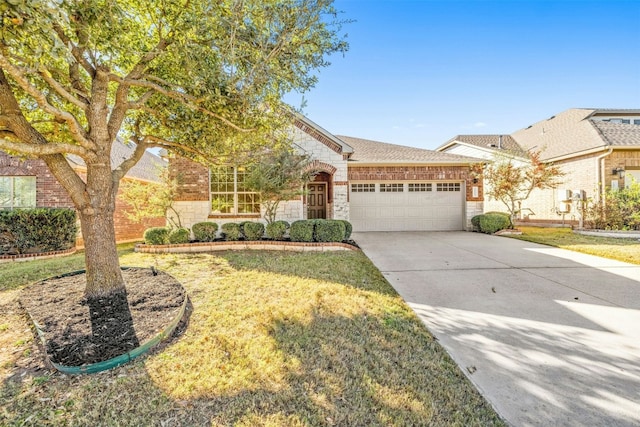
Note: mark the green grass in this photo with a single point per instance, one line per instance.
(274, 339)
(627, 250)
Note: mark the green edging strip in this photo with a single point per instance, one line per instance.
(115, 361)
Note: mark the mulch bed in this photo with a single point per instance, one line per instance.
(79, 331)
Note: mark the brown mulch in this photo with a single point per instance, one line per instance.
(79, 331)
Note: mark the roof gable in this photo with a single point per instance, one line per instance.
(321, 135)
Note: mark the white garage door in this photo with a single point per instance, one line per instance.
(402, 206)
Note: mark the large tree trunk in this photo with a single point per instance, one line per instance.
(101, 254)
(104, 276)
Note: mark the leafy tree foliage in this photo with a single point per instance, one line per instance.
(618, 210)
(278, 176)
(512, 184)
(203, 78)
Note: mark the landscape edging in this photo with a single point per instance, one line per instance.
(242, 245)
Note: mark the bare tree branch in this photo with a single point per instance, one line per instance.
(140, 102)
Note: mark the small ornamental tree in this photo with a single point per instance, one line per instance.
(147, 200)
(202, 78)
(278, 176)
(512, 184)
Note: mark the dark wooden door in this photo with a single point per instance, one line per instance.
(317, 201)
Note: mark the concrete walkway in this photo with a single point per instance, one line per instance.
(550, 337)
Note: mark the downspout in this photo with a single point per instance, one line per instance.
(601, 172)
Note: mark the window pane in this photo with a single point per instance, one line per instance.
(242, 174)
(24, 192)
(248, 203)
(222, 203)
(5, 192)
(222, 180)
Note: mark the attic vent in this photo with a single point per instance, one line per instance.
(552, 117)
(529, 127)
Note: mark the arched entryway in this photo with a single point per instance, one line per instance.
(319, 196)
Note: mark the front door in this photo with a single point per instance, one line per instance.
(317, 201)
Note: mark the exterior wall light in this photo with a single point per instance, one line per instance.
(618, 171)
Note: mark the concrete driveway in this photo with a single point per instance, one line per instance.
(550, 337)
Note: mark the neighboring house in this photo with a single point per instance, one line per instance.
(597, 149)
(376, 186)
(28, 183)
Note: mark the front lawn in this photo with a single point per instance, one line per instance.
(627, 250)
(274, 339)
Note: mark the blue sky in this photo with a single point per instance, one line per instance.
(420, 72)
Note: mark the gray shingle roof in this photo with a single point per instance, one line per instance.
(618, 134)
(148, 168)
(366, 151)
(493, 142)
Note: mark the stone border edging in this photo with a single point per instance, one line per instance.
(241, 245)
(37, 255)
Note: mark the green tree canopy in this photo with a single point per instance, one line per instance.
(203, 78)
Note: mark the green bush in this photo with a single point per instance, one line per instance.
(475, 222)
(490, 223)
(302, 231)
(253, 230)
(329, 230)
(205, 231)
(277, 229)
(348, 228)
(37, 230)
(231, 231)
(620, 210)
(156, 236)
(179, 236)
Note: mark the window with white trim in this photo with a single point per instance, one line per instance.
(229, 194)
(363, 188)
(448, 186)
(419, 187)
(17, 192)
(394, 187)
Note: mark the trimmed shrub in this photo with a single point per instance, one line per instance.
(253, 230)
(37, 230)
(179, 236)
(490, 223)
(329, 230)
(475, 222)
(302, 230)
(156, 236)
(277, 229)
(231, 231)
(205, 231)
(348, 228)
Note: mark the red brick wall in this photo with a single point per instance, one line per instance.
(418, 173)
(49, 193)
(193, 179)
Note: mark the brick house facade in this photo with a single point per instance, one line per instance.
(337, 163)
(50, 194)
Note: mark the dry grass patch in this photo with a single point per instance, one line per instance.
(273, 339)
(627, 250)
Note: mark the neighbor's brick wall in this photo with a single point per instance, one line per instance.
(49, 192)
(418, 173)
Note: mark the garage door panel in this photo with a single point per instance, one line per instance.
(407, 211)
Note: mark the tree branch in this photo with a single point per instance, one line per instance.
(75, 50)
(75, 128)
(38, 150)
(187, 100)
(55, 85)
(135, 105)
(119, 172)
